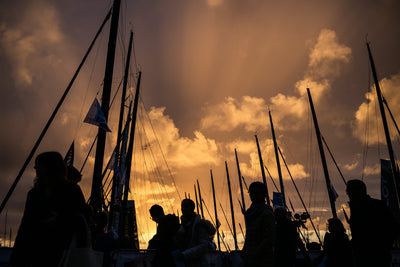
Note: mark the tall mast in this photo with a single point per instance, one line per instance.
(197, 201)
(131, 140)
(5, 229)
(395, 172)
(116, 178)
(132, 224)
(262, 169)
(240, 182)
(200, 199)
(321, 151)
(215, 210)
(277, 161)
(96, 194)
(232, 212)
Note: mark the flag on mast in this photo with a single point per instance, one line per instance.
(69, 157)
(335, 195)
(96, 116)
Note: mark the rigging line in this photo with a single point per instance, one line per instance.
(333, 158)
(226, 219)
(79, 124)
(162, 153)
(309, 150)
(276, 187)
(290, 175)
(157, 172)
(391, 115)
(108, 189)
(265, 166)
(310, 158)
(134, 53)
(366, 145)
(245, 184)
(211, 217)
(156, 169)
(377, 126)
(275, 183)
(214, 223)
(87, 155)
(106, 179)
(30, 156)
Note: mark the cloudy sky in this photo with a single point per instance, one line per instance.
(211, 70)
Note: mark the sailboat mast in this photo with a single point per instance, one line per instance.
(262, 170)
(131, 139)
(385, 126)
(123, 96)
(119, 133)
(197, 201)
(232, 212)
(215, 210)
(277, 161)
(128, 222)
(96, 194)
(200, 199)
(5, 229)
(240, 182)
(321, 150)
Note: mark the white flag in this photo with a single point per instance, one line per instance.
(96, 116)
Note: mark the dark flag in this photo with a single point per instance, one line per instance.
(69, 157)
(277, 199)
(388, 189)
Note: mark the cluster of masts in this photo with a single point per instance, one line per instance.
(278, 154)
(123, 149)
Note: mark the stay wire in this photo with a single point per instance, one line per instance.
(162, 153)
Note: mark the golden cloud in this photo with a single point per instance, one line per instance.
(366, 114)
(249, 113)
(326, 58)
(180, 151)
(327, 54)
(369, 170)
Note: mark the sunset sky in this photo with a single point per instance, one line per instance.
(211, 70)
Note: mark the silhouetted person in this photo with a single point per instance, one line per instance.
(50, 216)
(164, 240)
(260, 229)
(102, 239)
(373, 227)
(337, 246)
(286, 239)
(194, 236)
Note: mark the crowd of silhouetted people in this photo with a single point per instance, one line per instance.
(57, 218)
(273, 240)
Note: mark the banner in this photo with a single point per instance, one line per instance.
(277, 199)
(388, 190)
